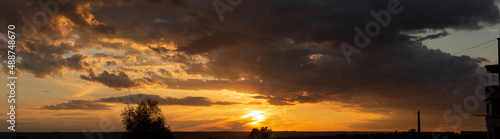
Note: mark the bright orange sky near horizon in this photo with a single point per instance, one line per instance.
(239, 117)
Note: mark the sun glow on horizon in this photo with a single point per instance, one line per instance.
(257, 116)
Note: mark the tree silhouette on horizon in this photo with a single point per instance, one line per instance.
(263, 133)
(145, 121)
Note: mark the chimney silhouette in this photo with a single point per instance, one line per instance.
(418, 121)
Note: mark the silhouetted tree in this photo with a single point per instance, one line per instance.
(254, 132)
(413, 130)
(264, 133)
(145, 121)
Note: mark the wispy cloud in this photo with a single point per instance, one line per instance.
(186, 101)
(77, 105)
(101, 103)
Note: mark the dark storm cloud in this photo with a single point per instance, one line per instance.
(77, 105)
(334, 20)
(112, 80)
(316, 28)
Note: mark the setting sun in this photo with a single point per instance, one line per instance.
(257, 116)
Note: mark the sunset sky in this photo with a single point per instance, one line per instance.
(274, 63)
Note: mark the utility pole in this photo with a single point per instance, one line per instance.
(418, 113)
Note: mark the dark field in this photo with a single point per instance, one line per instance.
(242, 135)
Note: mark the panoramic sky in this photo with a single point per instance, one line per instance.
(230, 65)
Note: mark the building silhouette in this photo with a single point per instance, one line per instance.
(492, 99)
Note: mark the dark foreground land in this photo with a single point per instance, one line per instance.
(242, 135)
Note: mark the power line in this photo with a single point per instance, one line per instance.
(482, 49)
(475, 46)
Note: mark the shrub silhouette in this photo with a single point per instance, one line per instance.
(145, 121)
